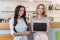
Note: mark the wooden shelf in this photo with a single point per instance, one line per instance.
(55, 24)
(6, 37)
(4, 26)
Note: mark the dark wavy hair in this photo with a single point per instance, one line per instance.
(16, 15)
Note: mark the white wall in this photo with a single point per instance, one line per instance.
(56, 1)
(7, 8)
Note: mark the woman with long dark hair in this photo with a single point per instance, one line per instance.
(18, 24)
(41, 17)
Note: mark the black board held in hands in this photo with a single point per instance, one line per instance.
(39, 26)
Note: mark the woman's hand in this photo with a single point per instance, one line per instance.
(28, 32)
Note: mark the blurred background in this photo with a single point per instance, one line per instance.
(7, 8)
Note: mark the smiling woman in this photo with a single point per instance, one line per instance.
(18, 24)
(40, 18)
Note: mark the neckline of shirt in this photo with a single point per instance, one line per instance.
(20, 19)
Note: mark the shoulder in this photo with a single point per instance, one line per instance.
(11, 20)
(46, 19)
(33, 19)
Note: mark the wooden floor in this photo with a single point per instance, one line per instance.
(6, 37)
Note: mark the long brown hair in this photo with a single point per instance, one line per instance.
(44, 12)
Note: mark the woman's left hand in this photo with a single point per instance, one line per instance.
(28, 32)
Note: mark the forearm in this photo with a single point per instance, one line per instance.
(21, 33)
(48, 28)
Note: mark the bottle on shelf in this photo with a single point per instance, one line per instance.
(50, 7)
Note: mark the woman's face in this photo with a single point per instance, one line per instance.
(40, 10)
(21, 11)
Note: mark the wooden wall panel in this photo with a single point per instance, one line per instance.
(6, 37)
(55, 24)
(4, 26)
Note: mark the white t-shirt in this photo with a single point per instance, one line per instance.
(11, 22)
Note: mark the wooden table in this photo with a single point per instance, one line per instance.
(6, 37)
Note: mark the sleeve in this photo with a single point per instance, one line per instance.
(48, 24)
(11, 26)
(32, 25)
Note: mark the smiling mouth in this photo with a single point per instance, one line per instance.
(40, 11)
